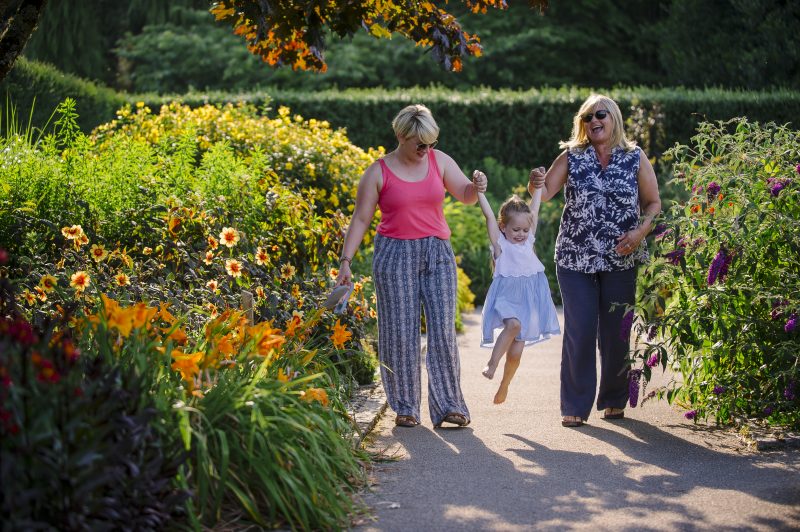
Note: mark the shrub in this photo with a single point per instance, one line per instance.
(720, 301)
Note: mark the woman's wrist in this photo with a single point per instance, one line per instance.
(344, 258)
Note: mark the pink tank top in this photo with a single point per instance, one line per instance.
(411, 210)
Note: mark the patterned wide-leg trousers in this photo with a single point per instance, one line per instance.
(409, 274)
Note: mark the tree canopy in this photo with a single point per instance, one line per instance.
(293, 32)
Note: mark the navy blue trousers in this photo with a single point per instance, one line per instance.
(589, 324)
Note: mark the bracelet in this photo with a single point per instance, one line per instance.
(345, 258)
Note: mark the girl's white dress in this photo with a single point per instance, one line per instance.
(519, 290)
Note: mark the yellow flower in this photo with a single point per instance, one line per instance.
(147, 250)
(82, 240)
(186, 364)
(229, 236)
(261, 257)
(28, 296)
(292, 324)
(334, 273)
(288, 166)
(315, 394)
(122, 279)
(80, 280)
(40, 293)
(118, 317)
(233, 267)
(98, 252)
(48, 283)
(287, 271)
(72, 233)
(295, 291)
(260, 294)
(212, 285)
(209, 258)
(213, 243)
(213, 312)
(340, 335)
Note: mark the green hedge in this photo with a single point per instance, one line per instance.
(30, 80)
(517, 128)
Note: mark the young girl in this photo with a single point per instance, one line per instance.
(518, 304)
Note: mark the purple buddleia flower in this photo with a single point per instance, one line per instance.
(633, 386)
(712, 190)
(788, 393)
(625, 327)
(791, 323)
(661, 230)
(652, 361)
(797, 168)
(719, 390)
(651, 333)
(715, 266)
(767, 410)
(674, 257)
(691, 414)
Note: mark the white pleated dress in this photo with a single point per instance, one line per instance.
(519, 290)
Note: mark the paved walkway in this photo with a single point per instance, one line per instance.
(515, 467)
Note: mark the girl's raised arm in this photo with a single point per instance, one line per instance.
(536, 202)
(491, 223)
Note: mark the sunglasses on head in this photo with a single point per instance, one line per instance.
(601, 114)
(422, 146)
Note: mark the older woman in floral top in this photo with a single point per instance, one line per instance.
(611, 197)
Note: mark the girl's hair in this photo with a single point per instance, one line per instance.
(580, 140)
(511, 206)
(416, 120)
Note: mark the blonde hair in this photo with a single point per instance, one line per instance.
(511, 206)
(416, 120)
(580, 140)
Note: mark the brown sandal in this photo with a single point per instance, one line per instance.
(455, 418)
(405, 421)
(571, 421)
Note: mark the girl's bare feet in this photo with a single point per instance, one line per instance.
(502, 393)
(489, 370)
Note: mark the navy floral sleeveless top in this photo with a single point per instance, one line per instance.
(600, 205)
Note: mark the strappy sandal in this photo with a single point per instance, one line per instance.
(460, 420)
(610, 414)
(405, 421)
(571, 421)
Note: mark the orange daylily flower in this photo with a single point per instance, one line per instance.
(187, 364)
(143, 315)
(340, 335)
(315, 394)
(267, 338)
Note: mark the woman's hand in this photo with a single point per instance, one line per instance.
(345, 276)
(480, 181)
(536, 178)
(629, 242)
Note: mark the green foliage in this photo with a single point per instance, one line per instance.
(720, 301)
(81, 445)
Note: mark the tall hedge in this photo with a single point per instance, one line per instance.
(522, 128)
(41, 87)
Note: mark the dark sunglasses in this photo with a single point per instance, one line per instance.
(601, 114)
(422, 146)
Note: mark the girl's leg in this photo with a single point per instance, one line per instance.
(513, 356)
(504, 341)
(438, 292)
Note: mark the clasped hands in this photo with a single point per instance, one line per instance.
(480, 181)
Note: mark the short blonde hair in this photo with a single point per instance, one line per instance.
(416, 120)
(580, 140)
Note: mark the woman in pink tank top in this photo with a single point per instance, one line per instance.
(414, 267)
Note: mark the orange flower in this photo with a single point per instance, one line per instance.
(340, 335)
(287, 271)
(292, 324)
(40, 293)
(260, 294)
(372, 313)
(98, 252)
(334, 273)
(295, 291)
(80, 280)
(147, 250)
(315, 394)
(711, 210)
(213, 312)
(72, 233)
(212, 285)
(233, 267)
(695, 208)
(261, 257)
(213, 243)
(177, 335)
(143, 315)
(209, 258)
(82, 240)
(122, 279)
(267, 338)
(186, 364)
(174, 223)
(48, 283)
(229, 236)
(28, 296)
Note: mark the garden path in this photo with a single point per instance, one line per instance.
(515, 468)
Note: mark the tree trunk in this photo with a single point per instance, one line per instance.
(19, 19)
